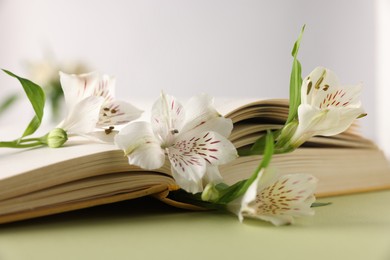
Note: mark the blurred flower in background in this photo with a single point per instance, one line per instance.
(45, 73)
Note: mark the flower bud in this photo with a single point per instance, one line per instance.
(210, 193)
(56, 138)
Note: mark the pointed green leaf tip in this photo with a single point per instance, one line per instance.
(320, 204)
(36, 95)
(295, 49)
(295, 81)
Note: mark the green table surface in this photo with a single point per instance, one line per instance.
(353, 227)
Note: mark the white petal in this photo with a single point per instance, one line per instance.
(242, 205)
(83, 117)
(199, 109)
(117, 113)
(188, 167)
(211, 146)
(338, 97)
(167, 118)
(249, 197)
(187, 170)
(195, 154)
(299, 192)
(221, 125)
(212, 175)
(141, 147)
(346, 117)
(78, 87)
(149, 156)
(105, 88)
(291, 195)
(319, 81)
(353, 95)
(314, 121)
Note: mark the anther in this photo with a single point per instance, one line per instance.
(174, 131)
(317, 86)
(309, 87)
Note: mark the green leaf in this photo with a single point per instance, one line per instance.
(232, 192)
(37, 99)
(245, 152)
(259, 146)
(295, 81)
(256, 149)
(320, 204)
(268, 152)
(238, 189)
(283, 142)
(221, 186)
(8, 101)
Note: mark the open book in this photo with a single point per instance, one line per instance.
(44, 181)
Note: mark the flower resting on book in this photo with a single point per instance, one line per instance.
(277, 200)
(194, 138)
(91, 104)
(326, 107)
(264, 195)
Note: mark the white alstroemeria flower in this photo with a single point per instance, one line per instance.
(277, 200)
(194, 137)
(90, 103)
(326, 108)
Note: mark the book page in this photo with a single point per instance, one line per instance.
(26, 171)
(17, 161)
(227, 105)
(339, 170)
(86, 189)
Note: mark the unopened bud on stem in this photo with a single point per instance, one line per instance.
(56, 138)
(210, 193)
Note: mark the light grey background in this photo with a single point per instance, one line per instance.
(224, 48)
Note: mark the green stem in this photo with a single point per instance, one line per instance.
(16, 144)
(54, 139)
(27, 140)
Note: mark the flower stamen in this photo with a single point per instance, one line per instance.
(174, 131)
(109, 130)
(318, 83)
